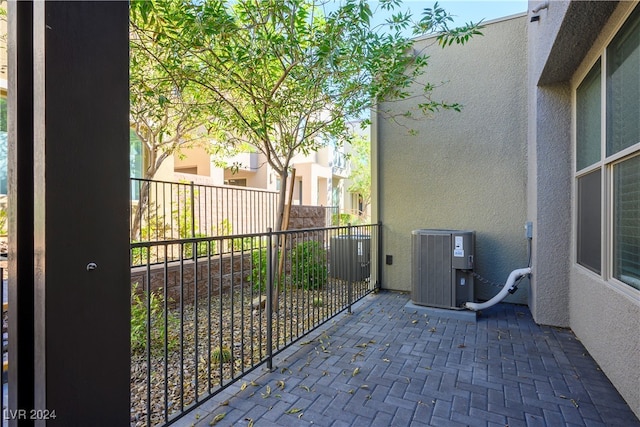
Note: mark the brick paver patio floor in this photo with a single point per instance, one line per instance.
(387, 365)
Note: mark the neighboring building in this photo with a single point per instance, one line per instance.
(321, 177)
(549, 133)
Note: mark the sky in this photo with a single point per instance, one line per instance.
(463, 11)
(472, 10)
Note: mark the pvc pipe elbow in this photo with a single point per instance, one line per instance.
(510, 285)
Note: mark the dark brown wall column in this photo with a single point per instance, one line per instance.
(80, 164)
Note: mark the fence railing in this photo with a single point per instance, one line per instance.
(204, 321)
(162, 210)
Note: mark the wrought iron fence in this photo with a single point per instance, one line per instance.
(204, 321)
(162, 210)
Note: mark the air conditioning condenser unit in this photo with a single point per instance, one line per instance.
(442, 267)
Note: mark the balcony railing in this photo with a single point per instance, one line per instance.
(203, 321)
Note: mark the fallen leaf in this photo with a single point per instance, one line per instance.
(243, 386)
(304, 387)
(280, 384)
(217, 418)
(293, 411)
(355, 372)
(267, 392)
(250, 424)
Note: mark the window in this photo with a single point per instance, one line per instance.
(608, 171)
(135, 163)
(626, 221)
(589, 220)
(239, 182)
(588, 105)
(623, 87)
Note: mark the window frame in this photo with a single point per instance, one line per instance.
(606, 164)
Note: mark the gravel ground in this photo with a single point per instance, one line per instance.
(234, 324)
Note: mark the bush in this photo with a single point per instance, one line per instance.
(187, 248)
(259, 269)
(158, 331)
(308, 265)
(344, 219)
(221, 355)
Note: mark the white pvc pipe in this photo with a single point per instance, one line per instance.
(510, 285)
(539, 7)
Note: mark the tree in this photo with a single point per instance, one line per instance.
(286, 76)
(167, 111)
(361, 170)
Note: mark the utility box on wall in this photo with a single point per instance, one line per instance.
(442, 267)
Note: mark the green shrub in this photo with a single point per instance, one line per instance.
(221, 355)
(259, 269)
(202, 250)
(308, 265)
(3, 221)
(139, 255)
(307, 262)
(158, 331)
(344, 219)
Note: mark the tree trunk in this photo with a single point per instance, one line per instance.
(283, 243)
(143, 201)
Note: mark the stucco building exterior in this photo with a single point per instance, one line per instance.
(548, 134)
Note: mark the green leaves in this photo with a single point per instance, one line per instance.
(283, 77)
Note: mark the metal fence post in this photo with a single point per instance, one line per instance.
(193, 211)
(350, 267)
(268, 304)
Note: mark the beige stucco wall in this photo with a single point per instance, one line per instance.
(549, 174)
(605, 316)
(193, 157)
(462, 170)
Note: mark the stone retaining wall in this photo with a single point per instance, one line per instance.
(224, 270)
(307, 217)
